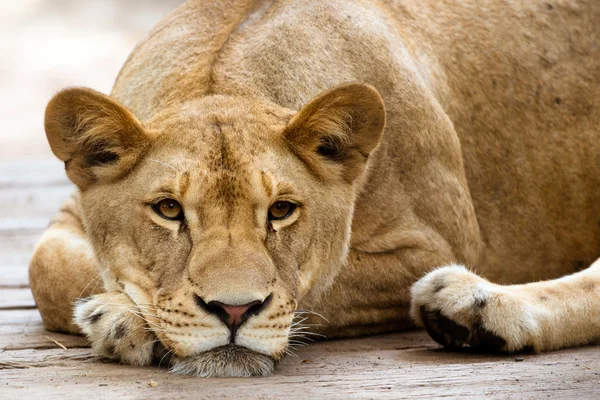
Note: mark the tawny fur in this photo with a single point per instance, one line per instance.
(488, 159)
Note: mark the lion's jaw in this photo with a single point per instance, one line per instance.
(226, 162)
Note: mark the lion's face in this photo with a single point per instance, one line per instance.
(218, 217)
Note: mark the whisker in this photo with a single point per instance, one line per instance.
(165, 164)
(151, 342)
(301, 312)
(157, 330)
(296, 324)
(131, 309)
(90, 282)
(138, 314)
(289, 352)
(286, 162)
(300, 336)
(310, 333)
(163, 357)
(298, 343)
(299, 322)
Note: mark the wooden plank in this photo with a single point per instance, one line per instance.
(14, 276)
(23, 329)
(25, 212)
(20, 338)
(31, 207)
(30, 194)
(16, 247)
(45, 172)
(16, 298)
(339, 374)
(27, 317)
(36, 337)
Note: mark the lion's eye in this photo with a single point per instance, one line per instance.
(281, 210)
(169, 209)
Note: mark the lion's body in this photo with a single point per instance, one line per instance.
(490, 155)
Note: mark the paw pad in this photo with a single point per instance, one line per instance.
(452, 335)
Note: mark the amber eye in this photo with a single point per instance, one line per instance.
(169, 209)
(281, 210)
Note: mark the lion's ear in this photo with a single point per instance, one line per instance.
(337, 130)
(98, 139)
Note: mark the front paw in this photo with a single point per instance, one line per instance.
(114, 326)
(459, 308)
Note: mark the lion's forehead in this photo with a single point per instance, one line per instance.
(223, 175)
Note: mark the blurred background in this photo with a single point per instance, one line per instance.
(46, 45)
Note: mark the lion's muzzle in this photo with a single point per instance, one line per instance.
(233, 315)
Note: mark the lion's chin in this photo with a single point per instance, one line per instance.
(225, 361)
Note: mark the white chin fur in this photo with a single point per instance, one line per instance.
(225, 361)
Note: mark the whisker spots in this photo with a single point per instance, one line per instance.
(270, 326)
(280, 314)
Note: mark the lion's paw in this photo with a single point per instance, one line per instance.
(110, 322)
(459, 308)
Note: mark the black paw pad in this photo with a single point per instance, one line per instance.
(452, 335)
(485, 340)
(443, 330)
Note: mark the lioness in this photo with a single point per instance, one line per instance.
(256, 158)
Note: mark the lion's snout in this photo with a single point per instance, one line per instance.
(231, 313)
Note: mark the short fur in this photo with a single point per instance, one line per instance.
(470, 137)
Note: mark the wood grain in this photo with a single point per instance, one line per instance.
(337, 373)
(16, 246)
(16, 298)
(22, 329)
(32, 173)
(13, 276)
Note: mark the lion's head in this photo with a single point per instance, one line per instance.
(219, 216)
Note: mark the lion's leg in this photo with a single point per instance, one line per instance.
(63, 269)
(67, 285)
(458, 307)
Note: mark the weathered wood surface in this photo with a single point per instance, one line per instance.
(22, 329)
(363, 368)
(33, 363)
(16, 298)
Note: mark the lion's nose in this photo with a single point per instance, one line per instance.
(233, 315)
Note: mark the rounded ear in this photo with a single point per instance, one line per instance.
(98, 139)
(337, 130)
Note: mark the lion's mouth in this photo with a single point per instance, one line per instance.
(226, 361)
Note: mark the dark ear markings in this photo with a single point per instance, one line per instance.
(98, 138)
(341, 126)
(332, 148)
(101, 157)
(98, 154)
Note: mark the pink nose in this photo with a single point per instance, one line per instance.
(236, 315)
(233, 316)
